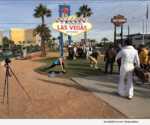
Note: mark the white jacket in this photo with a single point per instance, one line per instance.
(128, 55)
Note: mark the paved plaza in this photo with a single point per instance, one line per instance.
(105, 87)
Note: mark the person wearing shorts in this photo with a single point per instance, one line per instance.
(93, 59)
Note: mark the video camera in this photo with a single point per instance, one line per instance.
(7, 61)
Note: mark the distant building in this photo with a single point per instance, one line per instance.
(19, 36)
(29, 35)
(138, 38)
(1, 37)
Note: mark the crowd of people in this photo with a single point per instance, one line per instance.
(76, 51)
(91, 54)
(84, 51)
(127, 57)
(111, 52)
(130, 60)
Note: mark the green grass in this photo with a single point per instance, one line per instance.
(74, 68)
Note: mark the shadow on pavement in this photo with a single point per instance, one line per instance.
(140, 90)
(78, 86)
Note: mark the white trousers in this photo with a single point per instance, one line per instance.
(125, 87)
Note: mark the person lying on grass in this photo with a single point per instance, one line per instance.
(57, 62)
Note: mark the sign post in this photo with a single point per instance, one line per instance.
(64, 10)
(118, 21)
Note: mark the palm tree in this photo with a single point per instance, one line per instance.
(12, 43)
(85, 12)
(93, 42)
(104, 40)
(53, 41)
(5, 43)
(42, 11)
(42, 30)
(12, 46)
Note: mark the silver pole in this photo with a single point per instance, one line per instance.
(128, 31)
(143, 31)
(146, 26)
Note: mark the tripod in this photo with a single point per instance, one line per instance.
(9, 73)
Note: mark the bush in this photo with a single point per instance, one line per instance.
(32, 48)
(7, 54)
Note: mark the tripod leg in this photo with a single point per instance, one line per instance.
(7, 91)
(19, 83)
(5, 85)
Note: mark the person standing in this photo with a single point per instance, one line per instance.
(109, 58)
(129, 58)
(88, 51)
(148, 62)
(80, 51)
(143, 55)
(75, 52)
(71, 52)
(118, 49)
(24, 52)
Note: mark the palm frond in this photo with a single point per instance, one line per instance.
(43, 31)
(41, 10)
(48, 13)
(78, 14)
(84, 11)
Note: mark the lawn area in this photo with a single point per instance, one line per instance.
(74, 68)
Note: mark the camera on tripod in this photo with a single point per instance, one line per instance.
(7, 61)
(9, 73)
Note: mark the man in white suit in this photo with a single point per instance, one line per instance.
(129, 58)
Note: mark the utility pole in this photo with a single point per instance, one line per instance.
(128, 31)
(115, 29)
(146, 26)
(143, 31)
(122, 33)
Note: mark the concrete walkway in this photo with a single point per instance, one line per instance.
(105, 87)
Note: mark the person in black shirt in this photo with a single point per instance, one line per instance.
(109, 58)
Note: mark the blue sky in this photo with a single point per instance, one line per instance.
(19, 13)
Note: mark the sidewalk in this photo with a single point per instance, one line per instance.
(105, 87)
